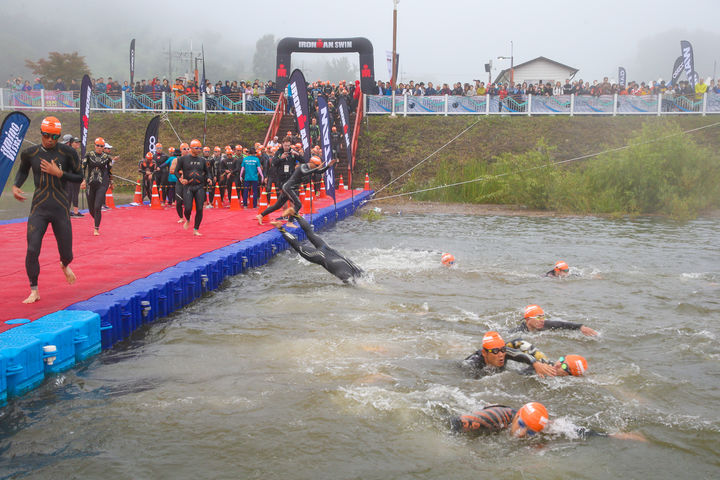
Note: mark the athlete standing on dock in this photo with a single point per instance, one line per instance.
(194, 174)
(98, 175)
(53, 166)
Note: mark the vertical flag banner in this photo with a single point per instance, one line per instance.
(345, 125)
(622, 76)
(151, 135)
(202, 91)
(677, 70)
(298, 90)
(85, 96)
(689, 62)
(132, 62)
(325, 121)
(14, 128)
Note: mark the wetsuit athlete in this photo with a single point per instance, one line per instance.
(194, 174)
(289, 188)
(320, 252)
(516, 350)
(179, 187)
(98, 174)
(53, 166)
(534, 320)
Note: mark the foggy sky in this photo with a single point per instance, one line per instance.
(437, 41)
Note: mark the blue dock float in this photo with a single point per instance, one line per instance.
(58, 341)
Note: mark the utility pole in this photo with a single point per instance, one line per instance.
(394, 59)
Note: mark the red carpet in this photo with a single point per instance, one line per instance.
(134, 243)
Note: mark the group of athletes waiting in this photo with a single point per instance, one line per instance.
(491, 358)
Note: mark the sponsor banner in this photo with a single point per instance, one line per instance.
(151, 135)
(85, 96)
(298, 92)
(345, 125)
(327, 44)
(689, 62)
(622, 76)
(677, 71)
(325, 122)
(132, 62)
(14, 128)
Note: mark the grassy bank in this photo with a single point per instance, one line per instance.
(678, 177)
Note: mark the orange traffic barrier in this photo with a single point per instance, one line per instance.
(323, 193)
(273, 194)
(234, 203)
(305, 198)
(367, 182)
(137, 199)
(217, 201)
(109, 200)
(155, 199)
(341, 187)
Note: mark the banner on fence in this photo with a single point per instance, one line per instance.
(689, 62)
(85, 95)
(151, 135)
(298, 91)
(325, 121)
(14, 128)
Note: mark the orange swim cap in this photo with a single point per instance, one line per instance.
(492, 339)
(575, 365)
(149, 155)
(195, 143)
(51, 125)
(534, 415)
(99, 141)
(315, 161)
(533, 311)
(447, 259)
(561, 266)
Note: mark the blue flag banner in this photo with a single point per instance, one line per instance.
(14, 128)
(677, 70)
(622, 76)
(85, 96)
(298, 92)
(132, 62)
(325, 121)
(689, 62)
(345, 124)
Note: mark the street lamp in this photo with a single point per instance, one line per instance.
(512, 69)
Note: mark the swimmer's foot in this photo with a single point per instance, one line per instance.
(291, 225)
(259, 219)
(288, 212)
(276, 223)
(196, 233)
(186, 225)
(69, 275)
(181, 220)
(33, 297)
(96, 232)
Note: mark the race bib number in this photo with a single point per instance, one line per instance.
(286, 168)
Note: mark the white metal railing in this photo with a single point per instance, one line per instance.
(49, 100)
(661, 104)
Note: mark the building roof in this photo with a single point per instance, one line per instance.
(506, 73)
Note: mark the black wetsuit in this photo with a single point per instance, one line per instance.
(517, 350)
(224, 172)
(549, 325)
(98, 172)
(195, 171)
(289, 189)
(321, 253)
(147, 169)
(211, 163)
(160, 176)
(50, 202)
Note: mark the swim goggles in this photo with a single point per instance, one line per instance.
(564, 365)
(495, 351)
(54, 136)
(528, 430)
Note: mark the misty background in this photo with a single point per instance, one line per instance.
(438, 42)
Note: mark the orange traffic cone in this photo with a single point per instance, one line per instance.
(341, 187)
(323, 193)
(137, 199)
(109, 200)
(367, 182)
(217, 202)
(301, 194)
(273, 194)
(251, 198)
(262, 204)
(155, 199)
(234, 202)
(305, 198)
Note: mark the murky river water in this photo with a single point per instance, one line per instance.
(287, 373)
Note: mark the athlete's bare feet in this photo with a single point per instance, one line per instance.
(69, 275)
(259, 219)
(181, 220)
(33, 297)
(186, 225)
(291, 225)
(276, 223)
(96, 232)
(196, 233)
(289, 212)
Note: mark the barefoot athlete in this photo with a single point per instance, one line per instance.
(194, 174)
(53, 166)
(98, 171)
(320, 252)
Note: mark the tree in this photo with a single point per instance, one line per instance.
(264, 58)
(67, 66)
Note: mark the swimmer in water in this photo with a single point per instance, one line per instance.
(534, 321)
(319, 252)
(448, 259)
(531, 419)
(560, 270)
(491, 358)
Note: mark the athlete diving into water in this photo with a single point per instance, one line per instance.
(319, 252)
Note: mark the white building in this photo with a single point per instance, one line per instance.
(536, 70)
